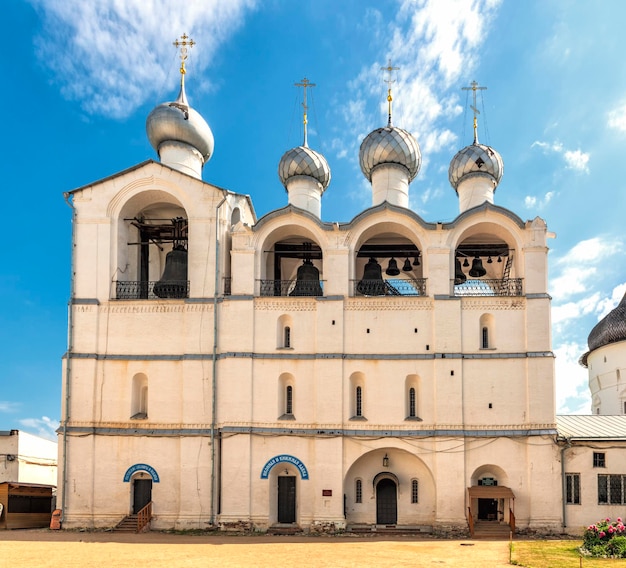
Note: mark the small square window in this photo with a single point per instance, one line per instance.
(598, 459)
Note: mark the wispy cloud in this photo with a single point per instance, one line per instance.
(109, 55)
(535, 203)
(44, 427)
(8, 406)
(617, 118)
(572, 379)
(577, 268)
(576, 160)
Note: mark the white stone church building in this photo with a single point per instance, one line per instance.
(235, 372)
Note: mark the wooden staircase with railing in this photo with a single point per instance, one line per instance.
(491, 530)
(137, 522)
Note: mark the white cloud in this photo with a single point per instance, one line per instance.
(574, 310)
(572, 390)
(606, 305)
(8, 406)
(44, 427)
(109, 55)
(532, 202)
(574, 159)
(617, 118)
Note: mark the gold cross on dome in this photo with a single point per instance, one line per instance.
(389, 81)
(474, 87)
(305, 84)
(185, 41)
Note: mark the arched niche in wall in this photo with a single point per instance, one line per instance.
(286, 396)
(388, 262)
(487, 332)
(486, 255)
(149, 226)
(292, 262)
(284, 332)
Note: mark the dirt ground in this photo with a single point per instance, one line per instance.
(44, 548)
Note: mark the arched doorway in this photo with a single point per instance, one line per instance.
(142, 493)
(386, 502)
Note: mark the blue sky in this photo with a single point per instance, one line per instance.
(79, 79)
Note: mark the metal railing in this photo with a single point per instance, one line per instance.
(490, 287)
(291, 287)
(389, 287)
(148, 290)
(144, 516)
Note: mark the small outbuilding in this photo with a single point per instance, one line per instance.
(25, 505)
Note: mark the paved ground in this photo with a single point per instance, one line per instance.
(43, 548)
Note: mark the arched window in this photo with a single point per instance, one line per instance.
(358, 400)
(485, 338)
(357, 396)
(139, 397)
(358, 491)
(411, 405)
(284, 336)
(289, 400)
(287, 337)
(414, 491)
(487, 331)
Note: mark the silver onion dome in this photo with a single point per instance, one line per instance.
(302, 161)
(475, 159)
(610, 329)
(177, 121)
(390, 145)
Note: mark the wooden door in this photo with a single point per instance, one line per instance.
(386, 502)
(142, 494)
(286, 499)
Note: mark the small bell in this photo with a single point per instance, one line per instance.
(416, 260)
(407, 266)
(466, 262)
(392, 268)
(489, 261)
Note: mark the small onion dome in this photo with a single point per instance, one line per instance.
(475, 159)
(390, 145)
(302, 161)
(610, 329)
(177, 121)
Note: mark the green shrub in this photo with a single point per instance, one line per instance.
(605, 539)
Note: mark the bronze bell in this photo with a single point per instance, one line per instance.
(372, 283)
(477, 269)
(459, 275)
(307, 280)
(392, 268)
(407, 266)
(173, 282)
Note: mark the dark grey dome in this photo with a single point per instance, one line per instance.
(390, 145)
(610, 329)
(475, 159)
(302, 161)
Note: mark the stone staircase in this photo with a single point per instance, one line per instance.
(284, 528)
(491, 530)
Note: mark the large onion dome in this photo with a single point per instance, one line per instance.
(302, 161)
(390, 145)
(610, 329)
(475, 160)
(178, 122)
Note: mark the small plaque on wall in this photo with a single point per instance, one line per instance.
(327, 492)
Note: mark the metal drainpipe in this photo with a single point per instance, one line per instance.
(68, 364)
(214, 361)
(567, 446)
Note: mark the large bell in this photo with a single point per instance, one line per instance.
(173, 282)
(477, 269)
(307, 281)
(372, 283)
(392, 268)
(459, 275)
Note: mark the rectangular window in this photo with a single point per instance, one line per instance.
(572, 483)
(359, 402)
(611, 489)
(598, 459)
(414, 491)
(358, 498)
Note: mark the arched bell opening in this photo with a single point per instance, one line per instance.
(152, 250)
(293, 266)
(389, 264)
(484, 264)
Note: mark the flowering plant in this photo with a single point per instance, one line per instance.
(605, 538)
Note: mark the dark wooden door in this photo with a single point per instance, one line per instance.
(386, 502)
(487, 509)
(286, 499)
(142, 494)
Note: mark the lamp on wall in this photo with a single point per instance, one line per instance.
(386, 461)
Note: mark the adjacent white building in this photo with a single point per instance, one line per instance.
(290, 372)
(28, 459)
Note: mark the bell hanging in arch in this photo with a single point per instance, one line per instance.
(372, 283)
(392, 268)
(307, 280)
(173, 282)
(407, 266)
(477, 269)
(459, 275)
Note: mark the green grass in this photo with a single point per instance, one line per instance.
(556, 554)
